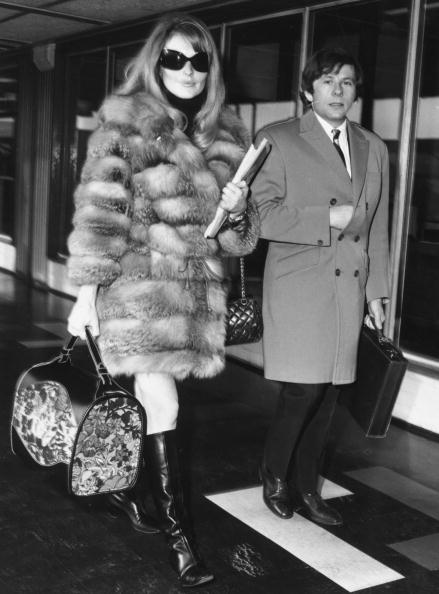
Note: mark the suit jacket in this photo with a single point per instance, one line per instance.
(316, 278)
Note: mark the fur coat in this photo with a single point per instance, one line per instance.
(146, 195)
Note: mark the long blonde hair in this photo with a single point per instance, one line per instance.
(143, 73)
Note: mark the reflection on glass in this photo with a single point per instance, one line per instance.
(262, 70)
(376, 32)
(420, 312)
(8, 116)
(121, 57)
(85, 89)
(262, 78)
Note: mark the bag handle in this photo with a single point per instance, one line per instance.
(95, 354)
(93, 348)
(67, 349)
(379, 331)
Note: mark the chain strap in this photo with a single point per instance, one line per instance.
(242, 270)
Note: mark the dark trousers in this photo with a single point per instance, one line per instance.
(299, 432)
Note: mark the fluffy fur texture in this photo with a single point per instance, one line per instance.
(147, 193)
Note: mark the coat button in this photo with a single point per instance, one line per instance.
(367, 205)
(337, 272)
(356, 273)
(340, 237)
(357, 238)
(320, 242)
(333, 201)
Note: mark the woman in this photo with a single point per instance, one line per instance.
(152, 286)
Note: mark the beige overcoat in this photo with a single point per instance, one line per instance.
(316, 278)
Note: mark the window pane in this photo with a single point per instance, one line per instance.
(420, 313)
(376, 32)
(8, 118)
(216, 34)
(85, 90)
(262, 70)
(121, 57)
(262, 76)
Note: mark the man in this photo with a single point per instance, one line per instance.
(322, 195)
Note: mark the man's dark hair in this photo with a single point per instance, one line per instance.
(325, 61)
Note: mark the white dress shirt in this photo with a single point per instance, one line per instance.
(343, 139)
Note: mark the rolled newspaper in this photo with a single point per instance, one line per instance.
(245, 168)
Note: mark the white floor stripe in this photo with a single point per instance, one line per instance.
(330, 490)
(400, 487)
(340, 562)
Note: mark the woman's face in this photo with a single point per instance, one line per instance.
(187, 82)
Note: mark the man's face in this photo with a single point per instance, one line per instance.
(333, 94)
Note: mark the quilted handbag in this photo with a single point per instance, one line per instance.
(381, 369)
(63, 414)
(244, 317)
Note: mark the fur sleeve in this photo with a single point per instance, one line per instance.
(103, 208)
(243, 239)
(235, 137)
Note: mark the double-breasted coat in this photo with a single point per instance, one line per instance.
(317, 278)
(146, 196)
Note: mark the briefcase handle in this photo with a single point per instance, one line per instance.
(379, 331)
(386, 344)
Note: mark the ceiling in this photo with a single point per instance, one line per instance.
(33, 22)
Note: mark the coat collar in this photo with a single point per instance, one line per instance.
(313, 133)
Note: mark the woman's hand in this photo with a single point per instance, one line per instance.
(84, 313)
(376, 316)
(234, 198)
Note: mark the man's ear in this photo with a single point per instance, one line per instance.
(308, 96)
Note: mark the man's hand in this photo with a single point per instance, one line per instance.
(376, 316)
(340, 216)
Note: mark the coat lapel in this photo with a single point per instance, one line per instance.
(313, 133)
(359, 152)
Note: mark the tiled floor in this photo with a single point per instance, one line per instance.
(387, 491)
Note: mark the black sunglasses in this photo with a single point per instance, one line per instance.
(173, 60)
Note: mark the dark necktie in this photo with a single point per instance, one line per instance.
(336, 143)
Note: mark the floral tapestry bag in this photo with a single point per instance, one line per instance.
(63, 414)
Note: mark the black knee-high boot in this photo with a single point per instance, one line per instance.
(162, 458)
(130, 504)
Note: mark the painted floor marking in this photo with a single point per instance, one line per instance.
(399, 487)
(423, 550)
(330, 490)
(331, 556)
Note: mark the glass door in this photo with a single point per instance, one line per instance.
(419, 330)
(8, 120)
(377, 33)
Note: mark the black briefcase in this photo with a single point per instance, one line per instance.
(381, 369)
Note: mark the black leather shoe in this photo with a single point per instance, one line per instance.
(319, 511)
(275, 494)
(121, 502)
